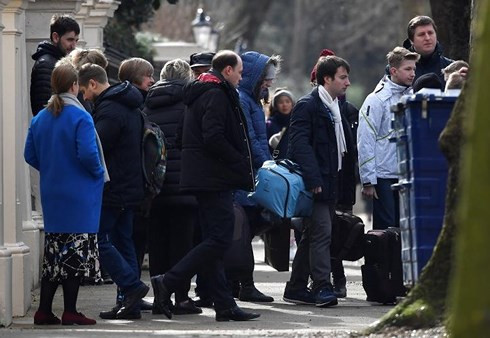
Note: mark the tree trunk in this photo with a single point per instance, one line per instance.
(470, 308)
(453, 26)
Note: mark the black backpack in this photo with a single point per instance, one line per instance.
(153, 159)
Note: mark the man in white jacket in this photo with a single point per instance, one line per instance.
(377, 155)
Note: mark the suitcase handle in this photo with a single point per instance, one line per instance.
(401, 186)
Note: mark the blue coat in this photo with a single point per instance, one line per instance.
(64, 150)
(253, 66)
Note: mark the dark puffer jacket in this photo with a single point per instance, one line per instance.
(215, 148)
(119, 125)
(313, 145)
(46, 57)
(433, 63)
(164, 105)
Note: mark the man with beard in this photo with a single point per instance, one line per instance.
(63, 36)
(377, 155)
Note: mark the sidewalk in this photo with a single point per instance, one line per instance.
(277, 319)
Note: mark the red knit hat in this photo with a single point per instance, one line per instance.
(324, 52)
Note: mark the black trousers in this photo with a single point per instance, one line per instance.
(216, 218)
(171, 234)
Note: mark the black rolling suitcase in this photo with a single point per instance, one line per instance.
(382, 275)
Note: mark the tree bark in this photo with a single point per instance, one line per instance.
(470, 310)
(453, 26)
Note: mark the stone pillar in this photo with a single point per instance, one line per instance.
(15, 179)
(95, 14)
(5, 254)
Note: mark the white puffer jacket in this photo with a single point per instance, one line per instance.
(377, 155)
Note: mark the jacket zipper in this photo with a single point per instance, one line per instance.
(248, 148)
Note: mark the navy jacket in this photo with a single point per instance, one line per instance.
(46, 57)
(215, 148)
(312, 145)
(119, 125)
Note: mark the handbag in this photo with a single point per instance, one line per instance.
(279, 188)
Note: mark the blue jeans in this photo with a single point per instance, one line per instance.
(217, 219)
(386, 209)
(116, 247)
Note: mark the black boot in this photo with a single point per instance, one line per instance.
(236, 314)
(249, 293)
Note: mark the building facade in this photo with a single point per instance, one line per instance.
(23, 24)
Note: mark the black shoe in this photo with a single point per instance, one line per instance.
(251, 294)
(236, 314)
(132, 300)
(339, 288)
(145, 305)
(161, 302)
(203, 302)
(112, 314)
(187, 307)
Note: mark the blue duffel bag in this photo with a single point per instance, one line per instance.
(279, 188)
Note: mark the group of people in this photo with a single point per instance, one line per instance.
(85, 141)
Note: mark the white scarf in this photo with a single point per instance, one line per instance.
(70, 99)
(333, 105)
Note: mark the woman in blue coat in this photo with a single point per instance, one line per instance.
(62, 145)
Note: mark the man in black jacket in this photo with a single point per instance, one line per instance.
(422, 38)
(215, 161)
(317, 143)
(119, 125)
(63, 36)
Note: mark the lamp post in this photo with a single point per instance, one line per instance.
(205, 35)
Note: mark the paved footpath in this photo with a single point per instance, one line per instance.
(278, 319)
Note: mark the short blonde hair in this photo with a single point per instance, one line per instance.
(176, 69)
(134, 70)
(81, 57)
(400, 54)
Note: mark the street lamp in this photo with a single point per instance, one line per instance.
(205, 35)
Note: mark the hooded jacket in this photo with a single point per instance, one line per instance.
(119, 125)
(433, 63)
(164, 105)
(254, 64)
(46, 57)
(377, 155)
(215, 149)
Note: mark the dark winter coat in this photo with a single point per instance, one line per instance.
(276, 123)
(215, 149)
(348, 174)
(313, 145)
(46, 57)
(164, 105)
(433, 63)
(254, 65)
(119, 125)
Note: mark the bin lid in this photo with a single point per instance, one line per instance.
(418, 97)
